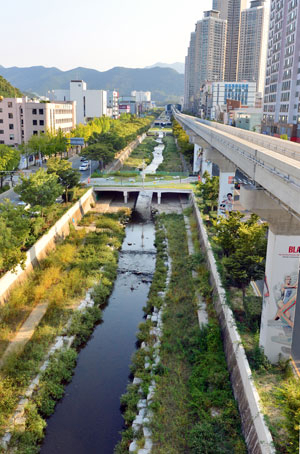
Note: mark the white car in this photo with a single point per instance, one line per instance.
(84, 167)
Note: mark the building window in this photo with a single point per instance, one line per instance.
(1, 142)
(1, 131)
(35, 133)
(34, 111)
(1, 110)
(11, 137)
(9, 104)
(11, 126)
(34, 122)
(10, 115)
(41, 122)
(1, 120)
(41, 111)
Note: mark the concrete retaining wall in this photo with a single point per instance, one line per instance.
(47, 242)
(123, 155)
(257, 434)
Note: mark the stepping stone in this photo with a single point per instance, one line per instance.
(133, 446)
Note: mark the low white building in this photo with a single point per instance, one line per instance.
(141, 96)
(89, 103)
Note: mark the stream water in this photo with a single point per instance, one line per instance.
(88, 418)
(157, 156)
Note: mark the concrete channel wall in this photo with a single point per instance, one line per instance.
(256, 433)
(123, 155)
(47, 242)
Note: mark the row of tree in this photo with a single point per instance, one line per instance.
(240, 243)
(20, 227)
(183, 141)
(114, 136)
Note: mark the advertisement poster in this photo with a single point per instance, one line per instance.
(197, 158)
(280, 295)
(226, 193)
(296, 332)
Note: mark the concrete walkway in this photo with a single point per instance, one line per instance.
(25, 333)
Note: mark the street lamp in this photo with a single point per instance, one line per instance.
(143, 173)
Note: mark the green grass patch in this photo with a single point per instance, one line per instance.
(81, 261)
(172, 161)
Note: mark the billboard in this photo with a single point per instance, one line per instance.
(296, 332)
(280, 295)
(76, 141)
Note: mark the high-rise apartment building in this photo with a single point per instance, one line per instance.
(281, 100)
(253, 44)
(189, 74)
(234, 11)
(222, 6)
(206, 56)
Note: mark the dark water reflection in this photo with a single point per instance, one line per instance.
(88, 419)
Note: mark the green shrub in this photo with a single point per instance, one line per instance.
(252, 306)
(83, 324)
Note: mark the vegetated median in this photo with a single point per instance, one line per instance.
(193, 409)
(141, 155)
(84, 260)
(172, 162)
(239, 247)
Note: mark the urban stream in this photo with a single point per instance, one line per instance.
(88, 418)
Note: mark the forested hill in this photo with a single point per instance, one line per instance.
(165, 84)
(7, 90)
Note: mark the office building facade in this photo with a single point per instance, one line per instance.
(20, 118)
(89, 103)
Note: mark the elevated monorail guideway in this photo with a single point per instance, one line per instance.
(273, 165)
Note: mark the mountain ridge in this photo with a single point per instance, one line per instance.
(178, 66)
(165, 84)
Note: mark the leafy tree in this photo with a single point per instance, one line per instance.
(67, 177)
(57, 165)
(37, 145)
(61, 143)
(244, 246)
(7, 90)
(99, 152)
(39, 189)
(208, 191)
(14, 233)
(9, 161)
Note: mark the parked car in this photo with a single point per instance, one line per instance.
(84, 166)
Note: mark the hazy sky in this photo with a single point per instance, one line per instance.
(96, 33)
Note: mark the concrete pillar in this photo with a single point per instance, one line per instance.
(281, 275)
(125, 193)
(226, 180)
(159, 198)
